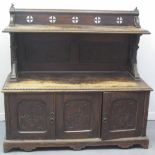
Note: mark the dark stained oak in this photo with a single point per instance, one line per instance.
(30, 145)
(78, 52)
(64, 82)
(90, 40)
(123, 114)
(78, 115)
(74, 80)
(76, 29)
(30, 114)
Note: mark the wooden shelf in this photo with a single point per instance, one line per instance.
(75, 81)
(77, 29)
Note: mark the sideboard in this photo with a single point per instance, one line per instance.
(74, 80)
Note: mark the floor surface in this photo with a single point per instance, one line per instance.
(88, 151)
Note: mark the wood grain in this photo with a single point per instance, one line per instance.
(72, 82)
(78, 29)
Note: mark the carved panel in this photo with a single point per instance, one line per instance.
(77, 115)
(123, 114)
(31, 115)
(133, 55)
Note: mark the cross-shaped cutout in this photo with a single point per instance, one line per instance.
(119, 20)
(97, 20)
(75, 19)
(52, 19)
(29, 19)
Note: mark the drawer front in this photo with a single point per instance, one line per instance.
(28, 116)
(123, 114)
(78, 115)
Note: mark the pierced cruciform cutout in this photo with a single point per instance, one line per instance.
(119, 20)
(52, 19)
(75, 19)
(97, 20)
(29, 19)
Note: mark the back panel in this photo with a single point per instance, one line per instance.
(72, 52)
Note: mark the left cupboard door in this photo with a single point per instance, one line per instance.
(30, 116)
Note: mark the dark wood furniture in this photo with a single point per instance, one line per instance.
(74, 80)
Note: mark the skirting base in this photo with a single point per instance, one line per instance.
(76, 144)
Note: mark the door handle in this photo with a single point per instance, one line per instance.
(52, 117)
(105, 118)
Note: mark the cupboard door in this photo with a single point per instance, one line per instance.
(31, 116)
(78, 115)
(122, 114)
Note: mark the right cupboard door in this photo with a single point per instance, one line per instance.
(122, 114)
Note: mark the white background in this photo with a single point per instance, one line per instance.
(146, 52)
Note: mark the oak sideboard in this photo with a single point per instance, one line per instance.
(74, 80)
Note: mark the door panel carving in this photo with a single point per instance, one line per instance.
(124, 111)
(30, 115)
(78, 115)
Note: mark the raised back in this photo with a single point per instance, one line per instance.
(75, 17)
(74, 41)
(73, 52)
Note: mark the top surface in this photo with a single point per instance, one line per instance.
(75, 82)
